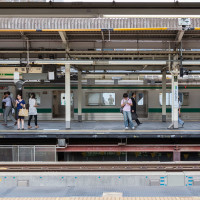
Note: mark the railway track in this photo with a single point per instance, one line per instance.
(99, 166)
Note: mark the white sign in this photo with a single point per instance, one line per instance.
(51, 75)
(16, 76)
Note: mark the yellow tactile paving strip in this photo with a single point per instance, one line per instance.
(104, 198)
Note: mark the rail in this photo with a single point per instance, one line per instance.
(99, 166)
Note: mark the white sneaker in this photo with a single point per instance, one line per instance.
(126, 128)
(133, 128)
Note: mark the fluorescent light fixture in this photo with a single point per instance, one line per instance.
(62, 62)
(153, 1)
(116, 78)
(10, 62)
(192, 62)
(157, 1)
(151, 16)
(79, 1)
(151, 62)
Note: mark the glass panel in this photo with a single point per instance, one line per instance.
(183, 97)
(63, 101)
(37, 97)
(109, 99)
(140, 99)
(97, 156)
(190, 156)
(150, 156)
(168, 99)
(100, 99)
(94, 99)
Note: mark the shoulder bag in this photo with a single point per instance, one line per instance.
(23, 112)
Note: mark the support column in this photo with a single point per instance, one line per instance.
(176, 155)
(79, 96)
(175, 100)
(174, 88)
(67, 97)
(164, 95)
(174, 107)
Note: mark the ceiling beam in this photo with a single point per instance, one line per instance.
(179, 36)
(65, 39)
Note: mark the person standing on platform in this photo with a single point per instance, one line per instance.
(8, 108)
(133, 110)
(181, 122)
(3, 104)
(32, 110)
(20, 103)
(126, 104)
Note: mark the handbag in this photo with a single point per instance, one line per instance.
(23, 112)
(121, 109)
(134, 116)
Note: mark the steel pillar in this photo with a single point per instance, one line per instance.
(175, 100)
(79, 96)
(176, 149)
(67, 97)
(164, 95)
(176, 156)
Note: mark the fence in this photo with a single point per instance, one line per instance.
(26, 153)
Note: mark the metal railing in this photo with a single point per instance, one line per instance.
(27, 153)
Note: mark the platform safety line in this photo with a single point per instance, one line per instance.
(96, 131)
(101, 198)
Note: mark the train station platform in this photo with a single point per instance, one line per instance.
(71, 193)
(102, 129)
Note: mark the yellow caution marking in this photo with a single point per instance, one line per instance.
(139, 29)
(3, 168)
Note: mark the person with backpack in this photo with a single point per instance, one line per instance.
(126, 104)
(32, 110)
(8, 108)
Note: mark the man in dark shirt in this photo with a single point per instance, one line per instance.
(3, 104)
(133, 108)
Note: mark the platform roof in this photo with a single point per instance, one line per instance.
(95, 9)
(100, 39)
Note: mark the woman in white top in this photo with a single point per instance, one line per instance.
(32, 110)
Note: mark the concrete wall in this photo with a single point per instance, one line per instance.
(95, 179)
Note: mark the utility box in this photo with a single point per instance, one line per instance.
(61, 142)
